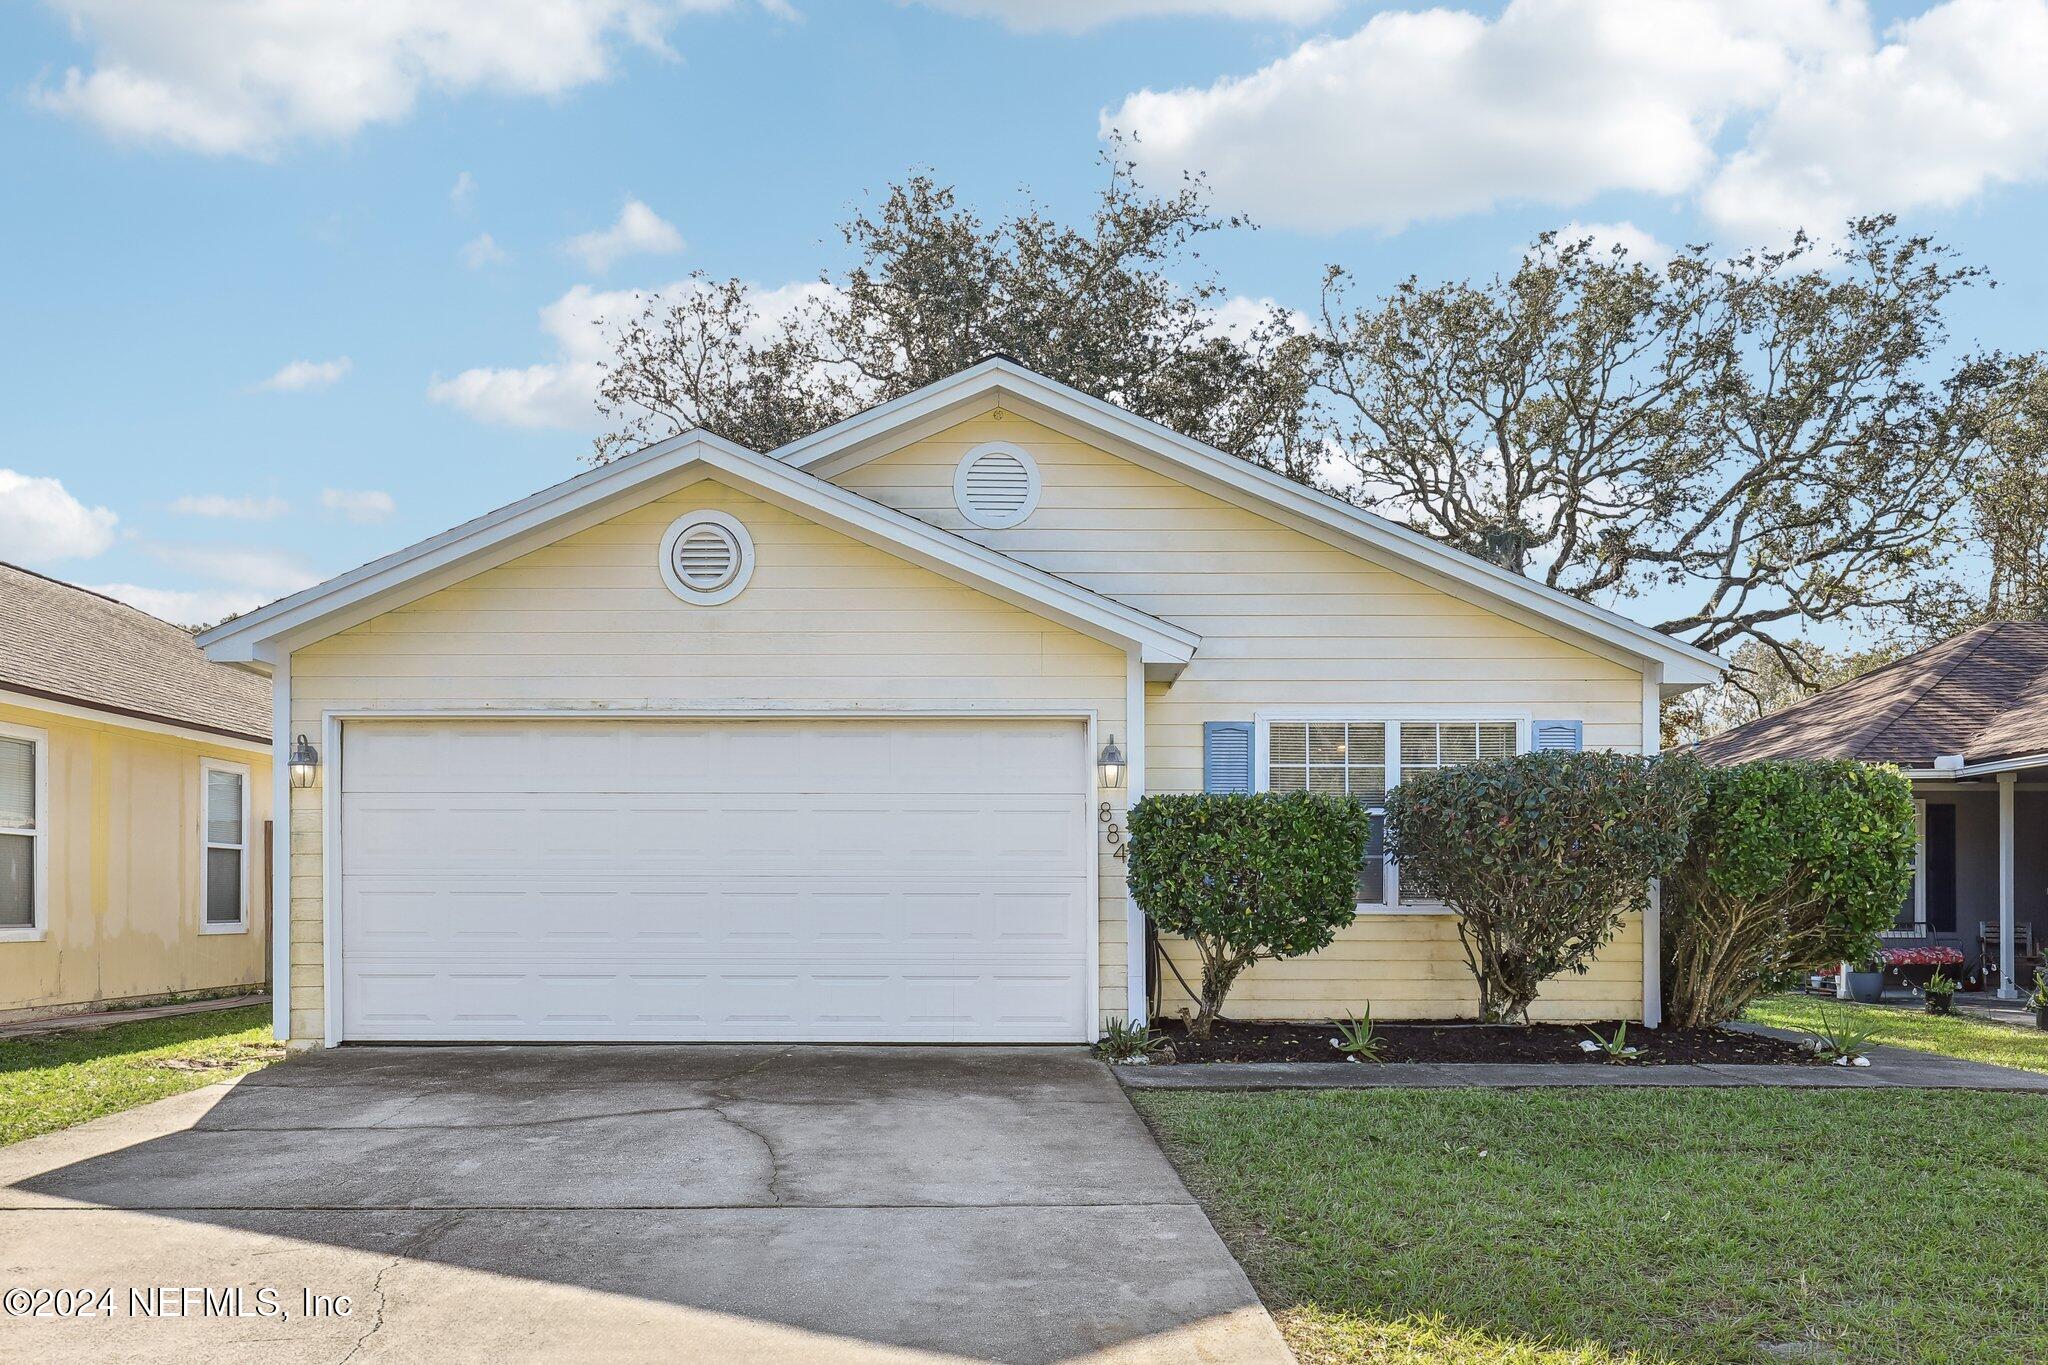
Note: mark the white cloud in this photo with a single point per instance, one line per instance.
(199, 608)
(1075, 16)
(267, 574)
(562, 392)
(463, 190)
(1430, 114)
(1238, 316)
(360, 505)
(233, 509)
(483, 250)
(40, 520)
(299, 376)
(1951, 104)
(639, 231)
(247, 77)
(1642, 247)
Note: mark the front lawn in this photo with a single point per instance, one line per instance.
(1974, 1040)
(1538, 1227)
(57, 1079)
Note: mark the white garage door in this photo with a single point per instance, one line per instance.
(849, 880)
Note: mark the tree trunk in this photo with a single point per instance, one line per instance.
(1219, 972)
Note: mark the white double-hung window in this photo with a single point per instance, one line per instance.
(24, 833)
(1365, 758)
(224, 848)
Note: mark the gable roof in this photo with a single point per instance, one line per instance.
(266, 634)
(63, 643)
(890, 426)
(1982, 694)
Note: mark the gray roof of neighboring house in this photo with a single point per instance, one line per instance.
(70, 644)
(1982, 694)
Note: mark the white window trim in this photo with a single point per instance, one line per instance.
(206, 845)
(1391, 716)
(39, 837)
(1918, 929)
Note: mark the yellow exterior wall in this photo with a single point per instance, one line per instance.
(1288, 621)
(123, 897)
(826, 623)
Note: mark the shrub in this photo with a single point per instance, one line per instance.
(1793, 866)
(1246, 877)
(1541, 856)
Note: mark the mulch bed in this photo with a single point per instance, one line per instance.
(1245, 1041)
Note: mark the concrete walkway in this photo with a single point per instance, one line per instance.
(1891, 1068)
(631, 1203)
(65, 1023)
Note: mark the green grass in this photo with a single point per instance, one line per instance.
(58, 1079)
(1476, 1227)
(1954, 1035)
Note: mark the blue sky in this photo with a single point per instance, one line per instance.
(255, 335)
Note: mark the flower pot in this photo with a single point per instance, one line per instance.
(1941, 1004)
(2041, 1018)
(1866, 987)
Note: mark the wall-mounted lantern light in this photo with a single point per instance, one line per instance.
(305, 762)
(1110, 765)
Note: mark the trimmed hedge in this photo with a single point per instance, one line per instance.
(1793, 866)
(1541, 856)
(1268, 875)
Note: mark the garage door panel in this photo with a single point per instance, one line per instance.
(788, 880)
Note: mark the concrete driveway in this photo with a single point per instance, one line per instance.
(687, 1203)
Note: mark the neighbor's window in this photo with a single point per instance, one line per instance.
(1363, 759)
(226, 870)
(21, 836)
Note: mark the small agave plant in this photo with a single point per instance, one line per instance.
(1355, 1039)
(1618, 1048)
(1126, 1044)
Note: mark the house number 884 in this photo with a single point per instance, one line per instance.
(1113, 832)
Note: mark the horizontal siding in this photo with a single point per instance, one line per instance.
(123, 898)
(585, 623)
(1287, 620)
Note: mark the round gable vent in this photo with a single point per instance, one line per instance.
(706, 558)
(996, 485)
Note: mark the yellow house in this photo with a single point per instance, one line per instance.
(134, 808)
(811, 744)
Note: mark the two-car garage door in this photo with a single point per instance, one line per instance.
(658, 880)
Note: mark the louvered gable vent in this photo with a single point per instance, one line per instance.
(996, 485)
(707, 557)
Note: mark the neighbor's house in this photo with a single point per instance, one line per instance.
(134, 796)
(1967, 721)
(714, 744)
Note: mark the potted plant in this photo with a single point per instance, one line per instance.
(1866, 982)
(1941, 993)
(2039, 1000)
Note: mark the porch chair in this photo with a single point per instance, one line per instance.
(2026, 959)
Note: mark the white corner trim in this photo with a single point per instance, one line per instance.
(864, 436)
(1137, 1000)
(1652, 742)
(281, 850)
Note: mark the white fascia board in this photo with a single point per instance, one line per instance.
(875, 432)
(466, 550)
(2000, 765)
(252, 636)
(121, 720)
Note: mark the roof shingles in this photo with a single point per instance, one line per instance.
(70, 644)
(1982, 694)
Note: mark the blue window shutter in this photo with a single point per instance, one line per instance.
(1568, 736)
(1227, 756)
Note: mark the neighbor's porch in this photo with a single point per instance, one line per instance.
(1981, 883)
